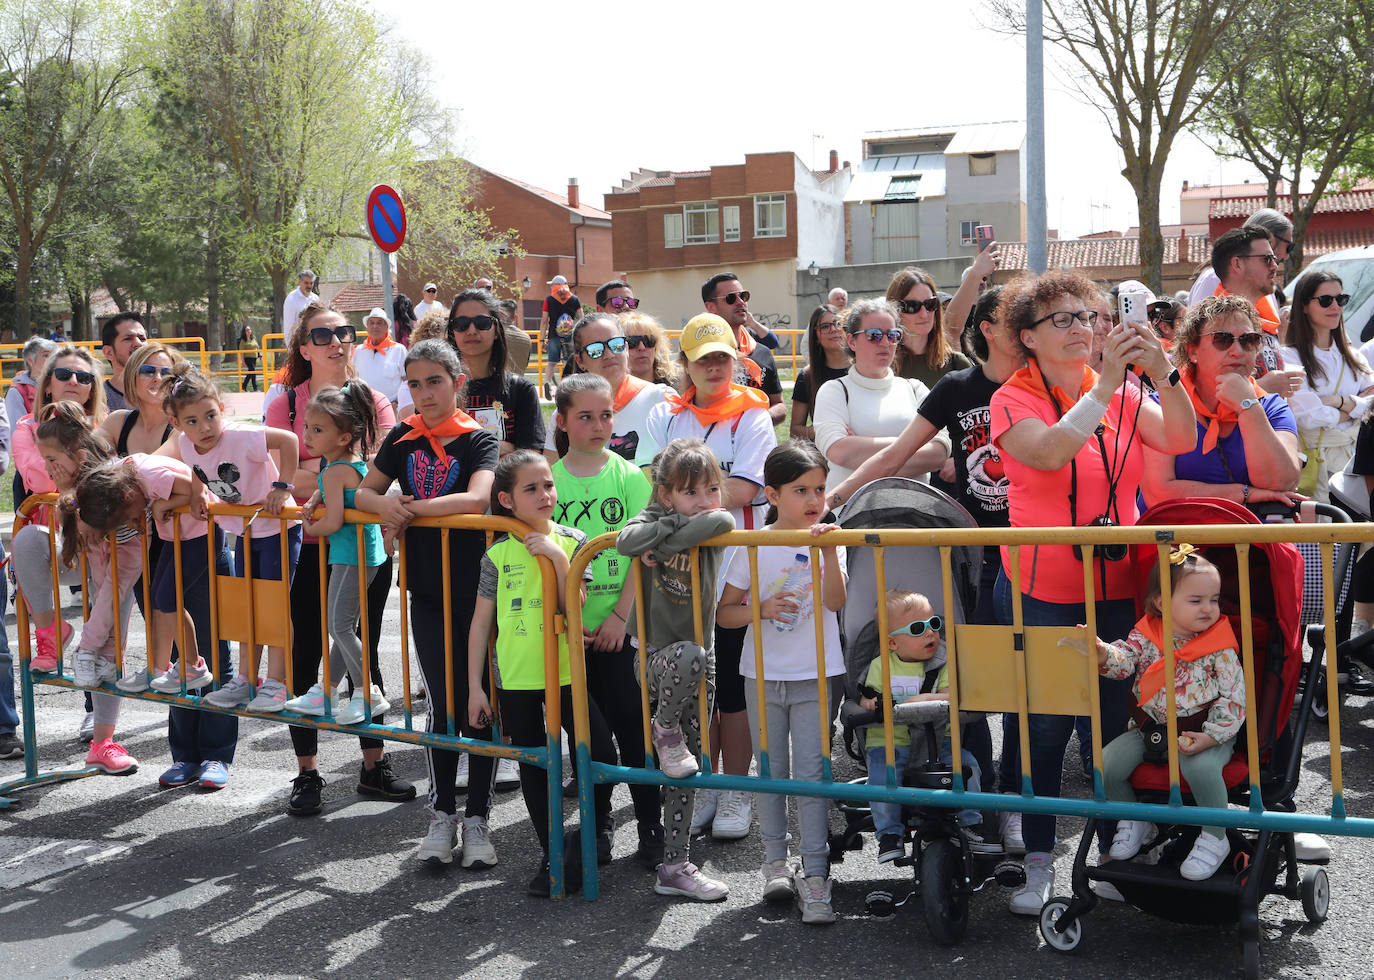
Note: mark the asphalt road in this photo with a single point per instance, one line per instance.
(116, 877)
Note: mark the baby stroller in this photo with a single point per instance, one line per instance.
(947, 870)
(1262, 863)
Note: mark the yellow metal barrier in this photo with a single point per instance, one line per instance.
(12, 354)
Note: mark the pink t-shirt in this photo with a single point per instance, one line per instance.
(237, 470)
(1037, 498)
(158, 474)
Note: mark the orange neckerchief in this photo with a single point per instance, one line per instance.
(455, 425)
(737, 399)
(380, 345)
(746, 341)
(1268, 315)
(1214, 419)
(1030, 379)
(1219, 636)
(630, 387)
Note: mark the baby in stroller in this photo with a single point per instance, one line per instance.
(917, 672)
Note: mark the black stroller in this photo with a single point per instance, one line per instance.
(947, 869)
(1262, 863)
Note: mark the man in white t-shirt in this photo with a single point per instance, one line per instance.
(380, 360)
(428, 303)
(296, 301)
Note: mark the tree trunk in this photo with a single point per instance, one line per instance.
(213, 315)
(1151, 237)
(23, 267)
(279, 291)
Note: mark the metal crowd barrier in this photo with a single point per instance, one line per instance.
(12, 354)
(1015, 669)
(261, 615)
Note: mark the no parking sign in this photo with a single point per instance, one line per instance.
(386, 218)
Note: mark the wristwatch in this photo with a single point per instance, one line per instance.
(1248, 403)
(279, 485)
(1171, 379)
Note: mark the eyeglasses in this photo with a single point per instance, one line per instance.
(1063, 319)
(830, 327)
(1222, 340)
(623, 303)
(1265, 257)
(483, 323)
(345, 333)
(597, 348)
(873, 334)
(729, 298)
(148, 370)
(431, 290)
(1325, 301)
(918, 627)
(66, 374)
(917, 305)
(640, 340)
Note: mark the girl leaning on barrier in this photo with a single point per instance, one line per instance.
(1071, 441)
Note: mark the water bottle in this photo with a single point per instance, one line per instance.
(797, 583)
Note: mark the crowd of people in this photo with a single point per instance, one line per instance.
(1034, 404)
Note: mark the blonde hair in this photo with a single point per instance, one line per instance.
(634, 322)
(899, 599)
(141, 357)
(94, 405)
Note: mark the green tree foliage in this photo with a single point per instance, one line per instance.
(1305, 107)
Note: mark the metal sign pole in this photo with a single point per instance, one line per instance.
(386, 285)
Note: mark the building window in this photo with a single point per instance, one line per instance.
(731, 222)
(581, 252)
(672, 231)
(982, 164)
(967, 235)
(701, 224)
(770, 215)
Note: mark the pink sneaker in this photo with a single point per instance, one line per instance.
(45, 657)
(109, 757)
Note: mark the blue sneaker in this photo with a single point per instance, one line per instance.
(181, 774)
(213, 775)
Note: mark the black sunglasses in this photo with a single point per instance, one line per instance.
(917, 305)
(919, 626)
(1163, 316)
(623, 303)
(324, 336)
(597, 348)
(66, 374)
(874, 334)
(729, 298)
(1326, 301)
(483, 323)
(1249, 342)
(1267, 259)
(640, 340)
(148, 370)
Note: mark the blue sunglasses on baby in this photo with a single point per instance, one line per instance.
(918, 627)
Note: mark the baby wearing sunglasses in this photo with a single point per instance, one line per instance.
(914, 647)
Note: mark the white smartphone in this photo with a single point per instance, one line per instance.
(1134, 308)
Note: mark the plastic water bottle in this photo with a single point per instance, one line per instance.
(797, 582)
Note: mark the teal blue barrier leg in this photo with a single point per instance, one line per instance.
(586, 800)
(32, 777)
(553, 772)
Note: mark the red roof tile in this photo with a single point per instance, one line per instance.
(586, 210)
(1358, 198)
(1084, 253)
(357, 296)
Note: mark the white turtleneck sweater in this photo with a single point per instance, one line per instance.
(873, 407)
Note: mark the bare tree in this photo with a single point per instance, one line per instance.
(1139, 62)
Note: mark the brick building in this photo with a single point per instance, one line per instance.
(763, 219)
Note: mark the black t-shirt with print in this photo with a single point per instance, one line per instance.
(421, 475)
(959, 403)
(804, 392)
(513, 415)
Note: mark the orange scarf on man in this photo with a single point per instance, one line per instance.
(1214, 419)
(380, 345)
(1030, 379)
(745, 341)
(1218, 637)
(630, 387)
(736, 400)
(1265, 309)
(455, 425)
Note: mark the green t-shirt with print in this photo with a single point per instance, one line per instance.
(907, 679)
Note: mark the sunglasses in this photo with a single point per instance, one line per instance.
(623, 303)
(1164, 316)
(1249, 342)
(345, 333)
(918, 627)
(148, 370)
(483, 323)
(640, 340)
(1266, 259)
(597, 348)
(917, 305)
(1325, 301)
(873, 334)
(66, 374)
(729, 298)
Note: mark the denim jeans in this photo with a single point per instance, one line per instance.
(887, 817)
(9, 717)
(1049, 734)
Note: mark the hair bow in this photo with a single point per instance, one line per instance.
(1181, 553)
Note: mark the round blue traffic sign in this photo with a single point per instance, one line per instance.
(386, 218)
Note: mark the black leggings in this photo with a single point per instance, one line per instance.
(427, 626)
(307, 649)
(613, 683)
(522, 715)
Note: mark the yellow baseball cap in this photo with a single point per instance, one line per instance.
(705, 334)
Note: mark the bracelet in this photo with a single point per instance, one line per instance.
(1245, 493)
(279, 485)
(620, 617)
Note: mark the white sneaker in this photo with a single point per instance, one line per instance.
(238, 690)
(309, 703)
(704, 810)
(83, 668)
(813, 895)
(197, 676)
(105, 670)
(85, 732)
(1130, 834)
(734, 812)
(137, 681)
(462, 781)
(1311, 847)
(1032, 896)
(777, 881)
(354, 711)
(439, 842)
(1108, 892)
(478, 851)
(1009, 824)
(271, 697)
(1205, 858)
(507, 774)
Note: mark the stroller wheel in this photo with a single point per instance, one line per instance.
(1319, 707)
(1066, 941)
(1316, 894)
(946, 909)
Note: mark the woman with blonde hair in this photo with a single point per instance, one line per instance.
(651, 356)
